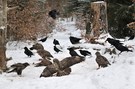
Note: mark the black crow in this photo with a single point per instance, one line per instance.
(18, 68)
(101, 60)
(53, 13)
(131, 37)
(56, 49)
(43, 39)
(122, 48)
(28, 52)
(85, 53)
(113, 41)
(74, 40)
(56, 42)
(72, 52)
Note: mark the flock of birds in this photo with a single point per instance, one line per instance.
(46, 55)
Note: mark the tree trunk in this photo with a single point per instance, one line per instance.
(99, 22)
(3, 30)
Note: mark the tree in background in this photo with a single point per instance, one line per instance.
(30, 20)
(3, 30)
(81, 10)
(120, 13)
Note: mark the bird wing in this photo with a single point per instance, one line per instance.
(47, 53)
(88, 53)
(16, 65)
(102, 60)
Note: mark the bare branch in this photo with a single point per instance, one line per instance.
(11, 8)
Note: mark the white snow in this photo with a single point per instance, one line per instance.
(119, 75)
(99, 2)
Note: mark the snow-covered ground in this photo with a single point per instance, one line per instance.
(119, 75)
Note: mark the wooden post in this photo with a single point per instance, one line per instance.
(3, 25)
(99, 22)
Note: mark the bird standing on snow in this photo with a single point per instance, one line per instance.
(85, 53)
(56, 42)
(74, 40)
(113, 41)
(28, 52)
(72, 52)
(18, 68)
(101, 60)
(122, 48)
(44, 53)
(43, 39)
(37, 46)
(56, 49)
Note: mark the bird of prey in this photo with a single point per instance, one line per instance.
(18, 68)
(101, 60)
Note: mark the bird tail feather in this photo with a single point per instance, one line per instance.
(11, 71)
(130, 50)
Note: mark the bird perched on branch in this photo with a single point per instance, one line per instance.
(18, 68)
(74, 40)
(85, 53)
(43, 39)
(101, 60)
(28, 52)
